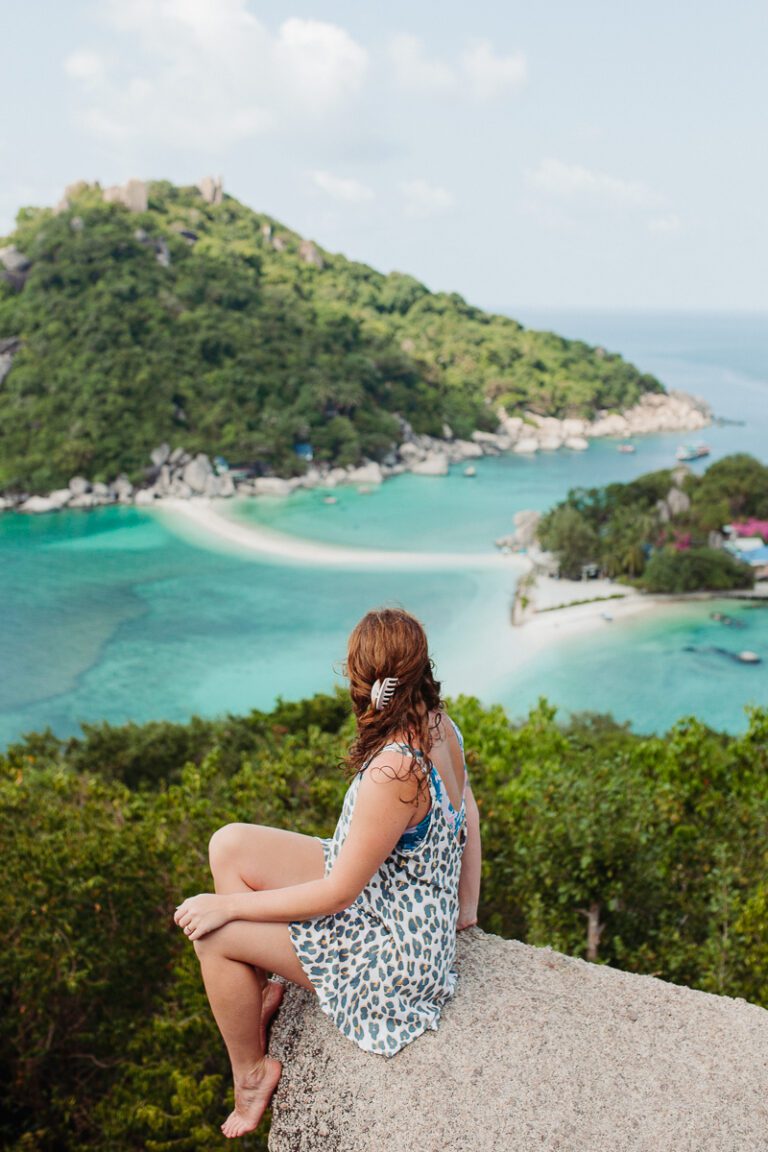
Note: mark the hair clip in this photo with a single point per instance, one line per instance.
(383, 691)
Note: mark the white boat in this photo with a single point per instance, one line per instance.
(692, 451)
(747, 657)
(470, 470)
(627, 448)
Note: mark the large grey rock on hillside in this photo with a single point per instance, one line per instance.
(13, 260)
(160, 455)
(211, 189)
(14, 266)
(678, 502)
(536, 1051)
(436, 464)
(196, 472)
(134, 195)
(309, 253)
(6, 363)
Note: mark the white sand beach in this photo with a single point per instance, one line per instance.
(566, 617)
(563, 608)
(202, 518)
(556, 611)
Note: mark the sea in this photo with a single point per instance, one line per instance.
(124, 614)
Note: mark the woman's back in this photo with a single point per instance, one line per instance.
(447, 757)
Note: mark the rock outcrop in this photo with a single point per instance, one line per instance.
(14, 266)
(310, 254)
(536, 1051)
(134, 195)
(673, 411)
(435, 464)
(8, 349)
(524, 535)
(211, 188)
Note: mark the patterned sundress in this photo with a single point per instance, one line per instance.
(384, 967)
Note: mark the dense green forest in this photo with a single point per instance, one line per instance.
(106, 1039)
(215, 327)
(658, 531)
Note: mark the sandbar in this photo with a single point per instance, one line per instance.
(206, 516)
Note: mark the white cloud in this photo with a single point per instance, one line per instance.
(417, 72)
(480, 71)
(209, 74)
(320, 61)
(347, 190)
(425, 199)
(668, 223)
(573, 181)
(491, 76)
(88, 67)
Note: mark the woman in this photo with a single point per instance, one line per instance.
(368, 919)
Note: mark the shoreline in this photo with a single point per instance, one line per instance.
(202, 515)
(561, 609)
(177, 474)
(611, 603)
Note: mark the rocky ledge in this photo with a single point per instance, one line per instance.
(177, 473)
(537, 1050)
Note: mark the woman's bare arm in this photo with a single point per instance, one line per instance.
(471, 862)
(378, 821)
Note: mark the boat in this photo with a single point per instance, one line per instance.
(627, 448)
(470, 470)
(729, 621)
(330, 499)
(746, 656)
(692, 451)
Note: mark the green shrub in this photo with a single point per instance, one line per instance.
(695, 570)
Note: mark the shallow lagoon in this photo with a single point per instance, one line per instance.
(113, 615)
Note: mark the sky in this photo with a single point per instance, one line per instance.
(557, 154)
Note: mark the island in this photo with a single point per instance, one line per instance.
(172, 341)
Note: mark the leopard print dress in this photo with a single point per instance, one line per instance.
(384, 967)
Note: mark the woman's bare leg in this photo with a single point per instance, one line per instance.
(251, 857)
(234, 961)
(254, 857)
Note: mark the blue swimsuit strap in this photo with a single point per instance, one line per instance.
(455, 817)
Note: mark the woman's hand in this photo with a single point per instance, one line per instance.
(467, 919)
(199, 915)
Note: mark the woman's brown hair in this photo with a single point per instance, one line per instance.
(391, 642)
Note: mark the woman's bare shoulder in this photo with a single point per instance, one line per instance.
(392, 763)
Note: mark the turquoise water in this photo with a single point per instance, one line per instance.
(724, 359)
(108, 615)
(114, 615)
(653, 669)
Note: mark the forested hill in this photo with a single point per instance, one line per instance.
(191, 319)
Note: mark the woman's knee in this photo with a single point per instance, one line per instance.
(214, 943)
(225, 844)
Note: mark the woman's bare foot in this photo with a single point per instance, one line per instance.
(252, 1097)
(270, 1002)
